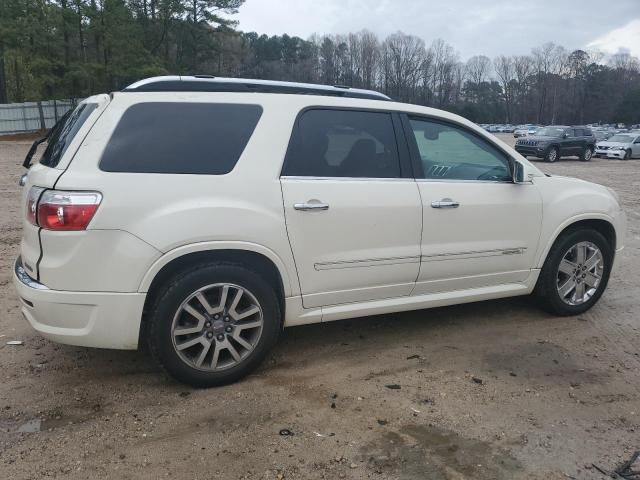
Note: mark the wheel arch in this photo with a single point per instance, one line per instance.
(255, 257)
(601, 223)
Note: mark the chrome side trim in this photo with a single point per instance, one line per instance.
(348, 179)
(371, 262)
(473, 254)
(24, 277)
(454, 180)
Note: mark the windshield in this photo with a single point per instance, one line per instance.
(550, 132)
(63, 133)
(621, 139)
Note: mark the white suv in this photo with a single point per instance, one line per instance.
(203, 215)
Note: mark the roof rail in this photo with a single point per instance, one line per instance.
(208, 83)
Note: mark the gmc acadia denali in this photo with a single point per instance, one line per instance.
(203, 215)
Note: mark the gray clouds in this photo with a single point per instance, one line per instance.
(473, 27)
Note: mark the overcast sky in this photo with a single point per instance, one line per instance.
(473, 27)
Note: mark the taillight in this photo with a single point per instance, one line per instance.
(32, 204)
(66, 210)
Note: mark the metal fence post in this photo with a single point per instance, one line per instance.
(24, 117)
(55, 111)
(43, 125)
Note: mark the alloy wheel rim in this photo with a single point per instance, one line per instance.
(587, 154)
(552, 155)
(580, 273)
(217, 327)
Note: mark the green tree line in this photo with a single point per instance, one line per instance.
(74, 48)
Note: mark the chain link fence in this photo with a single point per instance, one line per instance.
(33, 116)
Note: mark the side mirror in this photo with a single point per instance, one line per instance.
(519, 175)
(565, 135)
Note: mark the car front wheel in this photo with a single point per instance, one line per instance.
(214, 324)
(552, 155)
(575, 272)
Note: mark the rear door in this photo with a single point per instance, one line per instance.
(64, 139)
(353, 211)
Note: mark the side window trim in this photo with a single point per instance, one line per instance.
(402, 145)
(415, 153)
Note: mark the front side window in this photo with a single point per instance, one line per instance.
(451, 152)
(180, 138)
(343, 143)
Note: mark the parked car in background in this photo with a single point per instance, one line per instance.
(623, 146)
(508, 129)
(523, 130)
(601, 135)
(202, 216)
(556, 141)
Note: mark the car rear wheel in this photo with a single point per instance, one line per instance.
(586, 154)
(552, 155)
(575, 272)
(214, 324)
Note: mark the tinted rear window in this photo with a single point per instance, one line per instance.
(63, 133)
(187, 138)
(343, 143)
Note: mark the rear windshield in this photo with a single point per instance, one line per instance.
(180, 138)
(63, 133)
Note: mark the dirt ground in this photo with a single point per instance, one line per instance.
(550, 397)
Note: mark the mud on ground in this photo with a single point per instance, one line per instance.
(556, 394)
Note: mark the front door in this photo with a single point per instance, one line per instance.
(479, 228)
(353, 211)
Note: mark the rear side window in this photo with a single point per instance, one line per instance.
(343, 143)
(63, 133)
(182, 138)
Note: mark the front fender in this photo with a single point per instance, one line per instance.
(567, 201)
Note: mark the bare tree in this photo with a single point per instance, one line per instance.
(506, 72)
(402, 57)
(477, 70)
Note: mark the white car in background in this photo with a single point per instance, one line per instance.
(525, 130)
(622, 145)
(202, 216)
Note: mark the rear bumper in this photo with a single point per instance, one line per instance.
(88, 319)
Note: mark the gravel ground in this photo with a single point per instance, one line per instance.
(492, 390)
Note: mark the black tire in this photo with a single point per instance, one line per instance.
(169, 299)
(546, 291)
(586, 154)
(552, 155)
(627, 155)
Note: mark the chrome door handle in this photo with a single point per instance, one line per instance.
(445, 203)
(311, 205)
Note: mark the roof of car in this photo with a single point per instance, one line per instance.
(208, 83)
